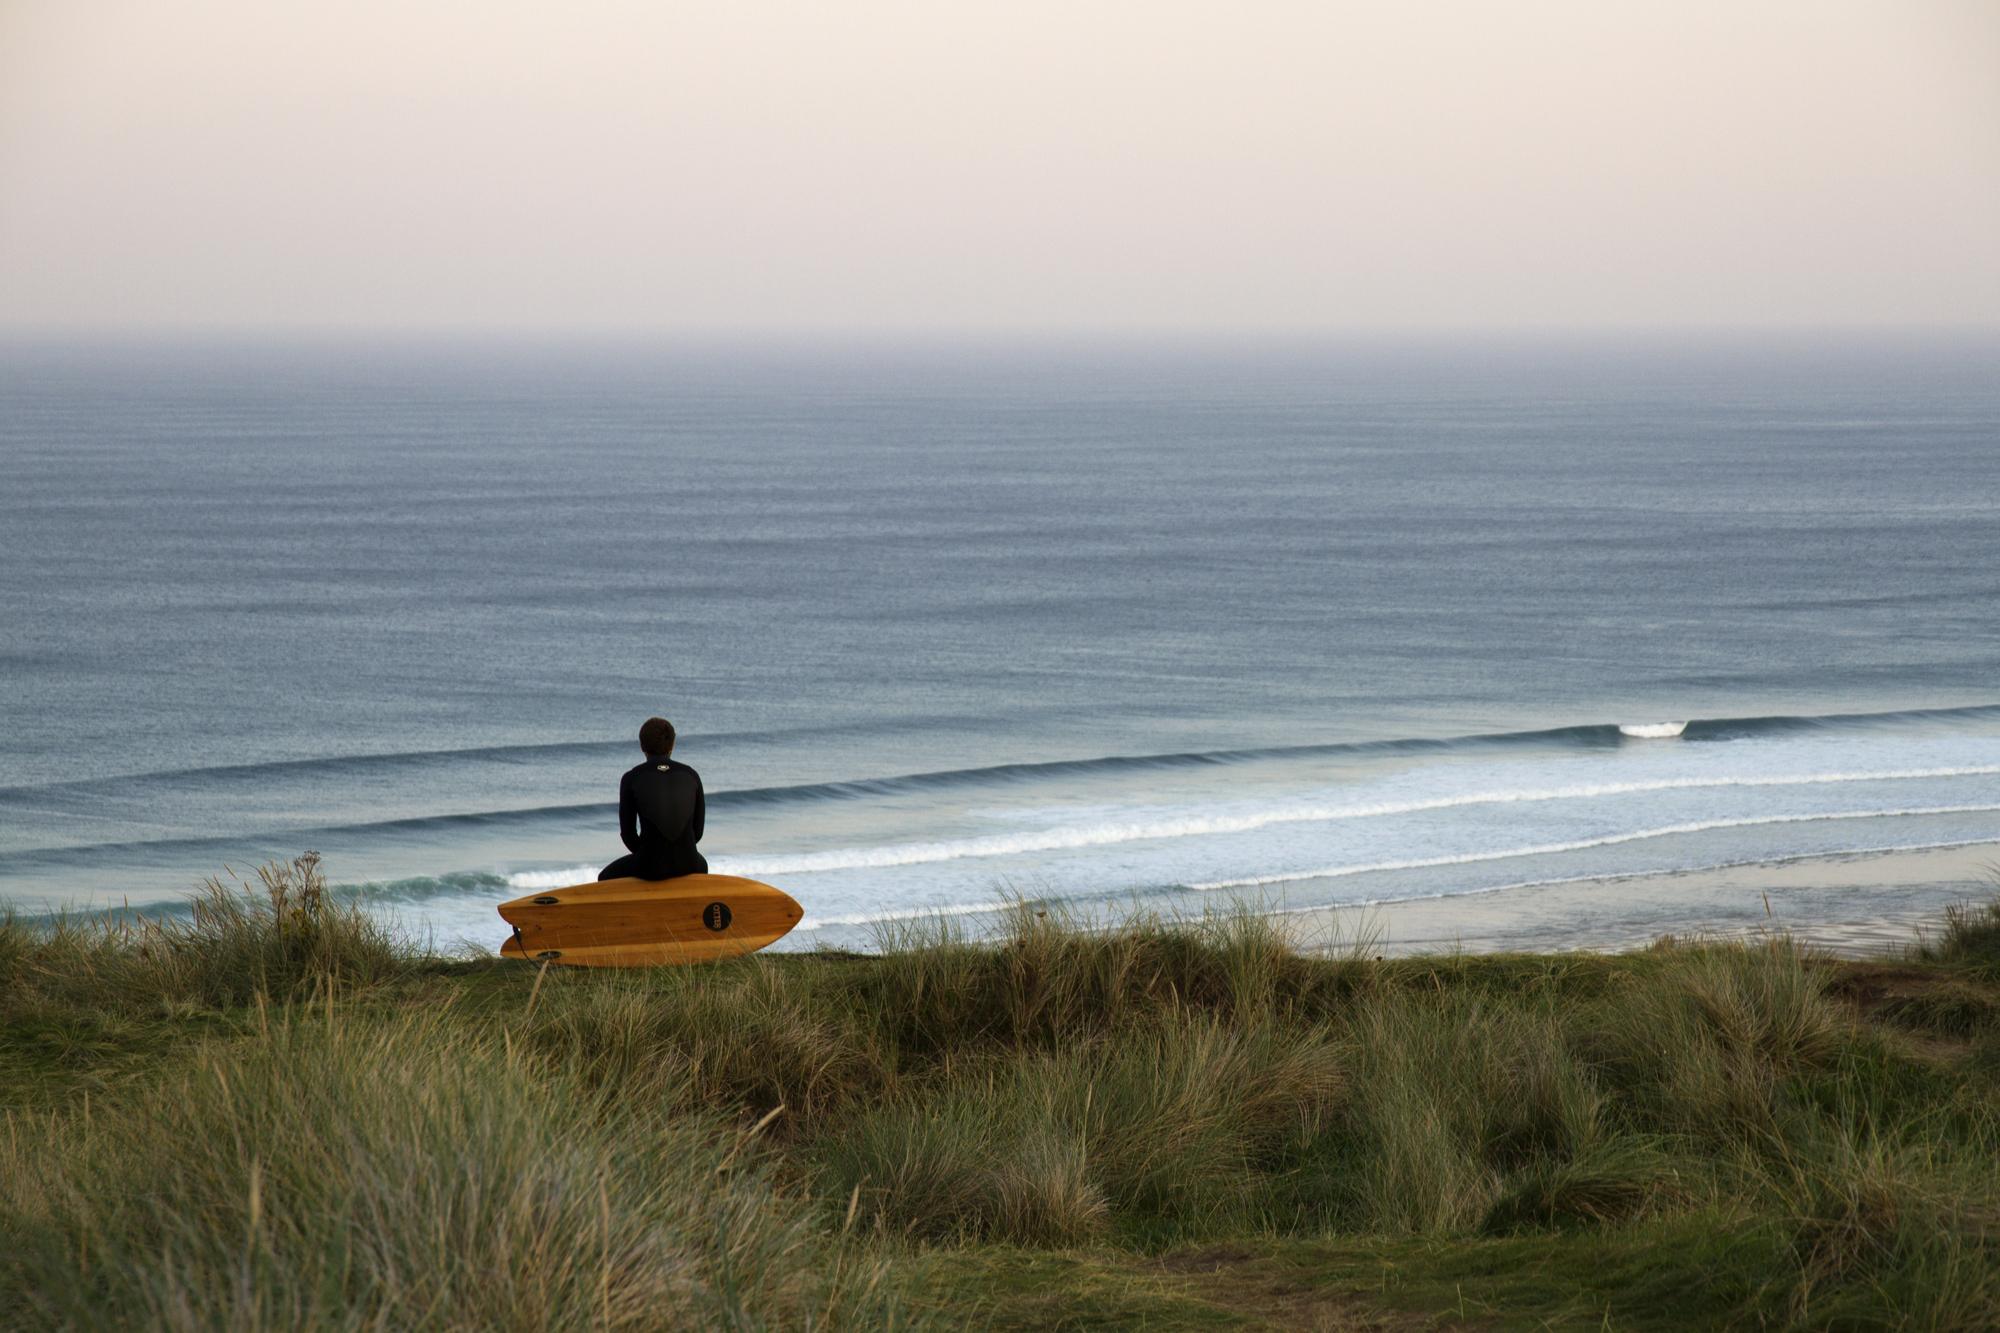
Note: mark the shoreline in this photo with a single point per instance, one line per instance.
(1852, 905)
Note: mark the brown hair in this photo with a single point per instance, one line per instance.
(656, 736)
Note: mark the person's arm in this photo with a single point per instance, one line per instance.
(628, 814)
(700, 810)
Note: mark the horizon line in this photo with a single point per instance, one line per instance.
(80, 331)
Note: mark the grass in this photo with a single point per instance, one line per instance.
(1969, 941)
(331, 1171)
(280, 939)
(274, 1114)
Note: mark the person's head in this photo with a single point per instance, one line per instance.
(657, 736)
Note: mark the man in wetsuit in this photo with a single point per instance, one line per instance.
(660, 809)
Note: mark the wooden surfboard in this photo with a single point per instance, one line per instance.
(648, 922)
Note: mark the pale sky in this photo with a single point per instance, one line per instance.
(1084, 164)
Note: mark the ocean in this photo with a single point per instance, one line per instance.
(947, 624)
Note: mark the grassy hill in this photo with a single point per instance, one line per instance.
(276, 1115)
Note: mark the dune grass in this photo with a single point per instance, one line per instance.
(275, 1115)
(280, 938)
(328, 1171)
(1970, 939)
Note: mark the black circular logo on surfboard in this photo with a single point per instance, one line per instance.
(715, 916)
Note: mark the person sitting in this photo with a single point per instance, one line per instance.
(660, 809)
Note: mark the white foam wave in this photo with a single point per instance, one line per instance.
(1281, 909)
(1184, 826)
(1584, 844)
(552, 879)
(909, 914)
(1652, 731)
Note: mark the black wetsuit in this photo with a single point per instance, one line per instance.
(660, 809)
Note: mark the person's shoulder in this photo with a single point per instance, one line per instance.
(672, 766)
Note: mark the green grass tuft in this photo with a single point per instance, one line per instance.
(286, 937)
(1970, 938)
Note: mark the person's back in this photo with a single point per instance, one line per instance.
(661, 808)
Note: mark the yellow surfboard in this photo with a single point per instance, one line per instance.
(648, 922)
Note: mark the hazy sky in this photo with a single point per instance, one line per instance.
(1084, 163)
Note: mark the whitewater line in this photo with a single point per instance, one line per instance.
(1585, 844)
(1107, 834)
(1267, 909)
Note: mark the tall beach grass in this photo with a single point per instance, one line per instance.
(329, 1172)
(355, 1136)
(282, 935)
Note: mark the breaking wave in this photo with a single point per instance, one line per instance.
(1108, 833)
(1585, 844)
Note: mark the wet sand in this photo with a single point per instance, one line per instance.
(1852, 905)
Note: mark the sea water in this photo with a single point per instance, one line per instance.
(947, 625)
